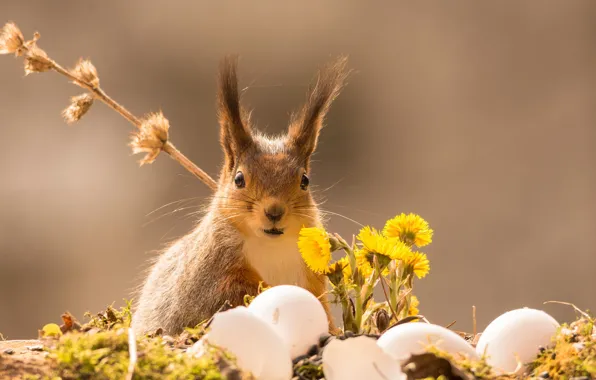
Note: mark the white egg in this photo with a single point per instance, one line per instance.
(518, 332)
(412, 338)
(359, 358)
(257, 347)
(295, 313)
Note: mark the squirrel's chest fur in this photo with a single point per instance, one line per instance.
(277, 260)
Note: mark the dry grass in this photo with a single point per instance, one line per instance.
(152, 135)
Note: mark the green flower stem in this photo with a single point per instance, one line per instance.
(359, 311)
(358, 301)
(406, 309)
(396, 285)
(394, 290)
(354, 323)
(369, 285)
(407, 280)
(348, 318)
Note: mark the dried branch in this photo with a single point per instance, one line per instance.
(152, 136)
(132, 353)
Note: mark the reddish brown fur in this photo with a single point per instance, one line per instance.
(240, 276)
(229, 252)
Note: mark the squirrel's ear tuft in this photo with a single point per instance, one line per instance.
(235, 134)
(306, 124)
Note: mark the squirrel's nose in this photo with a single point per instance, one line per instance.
(274, 212)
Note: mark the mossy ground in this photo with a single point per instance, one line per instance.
(99, 349)
(105, 355)
(570, 356)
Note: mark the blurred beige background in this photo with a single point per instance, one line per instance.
(478, 116)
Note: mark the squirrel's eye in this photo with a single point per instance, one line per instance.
(304, 182)
(239, 180)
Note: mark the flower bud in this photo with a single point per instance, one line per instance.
(335, 273)
(86, 72)
(78, 107)
(37, 61)
(382, 320)
(335, 243)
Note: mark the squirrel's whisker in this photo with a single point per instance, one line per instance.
(228, 217)
(305, 215)
(248, 196)
(234, 199)
(342, 216)
(330, 187)
(171, 203)
(169, 213)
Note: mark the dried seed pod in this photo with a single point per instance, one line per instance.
(36, 60)
(382, 320)
(151, 137)
(11, 39)
(78, 107)
(85, 71)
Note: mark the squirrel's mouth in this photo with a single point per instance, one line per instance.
(274, 232)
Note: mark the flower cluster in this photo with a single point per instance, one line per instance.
(387, 257)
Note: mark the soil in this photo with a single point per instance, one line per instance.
(19, 358)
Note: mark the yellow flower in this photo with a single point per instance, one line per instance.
(339, 272)
(419, 263)
(363, 263)
(411, 229)
(344, 262)
(414, 303)
(374, 242)
(315, 248)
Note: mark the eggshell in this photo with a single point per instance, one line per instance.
(518, 332)
(401, 341)
(359, 358)
(295, 314)
(257, 347)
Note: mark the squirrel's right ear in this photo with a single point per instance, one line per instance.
(235, 134)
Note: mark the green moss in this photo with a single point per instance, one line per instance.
(105, 355)
(100, 350)
(31, 377)
(573, 353)
(111, 317)
(248, 298)
(309, 371)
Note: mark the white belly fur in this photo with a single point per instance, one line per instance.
(277, 260)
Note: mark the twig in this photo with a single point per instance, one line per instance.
(403, 297)
(408, 319)
(170, 149)
(132, 353)
(152, 137)
(393, 312)
(451, 324)
(474, 320)
(226, 306)
(583, 313)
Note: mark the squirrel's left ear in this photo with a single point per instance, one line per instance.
(307, 124)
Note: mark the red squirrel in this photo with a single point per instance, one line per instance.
(250, 232)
